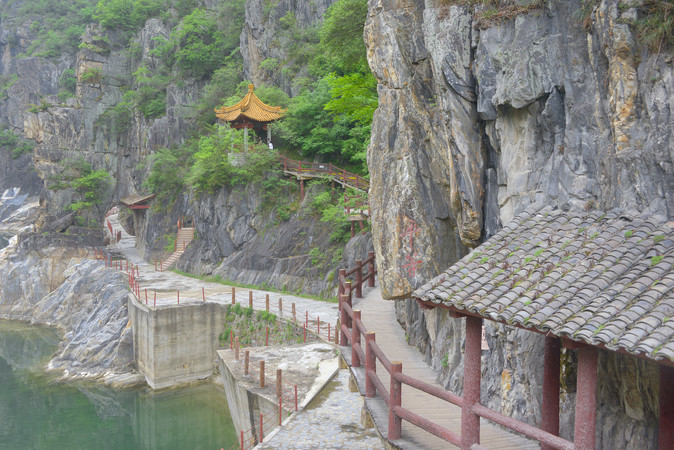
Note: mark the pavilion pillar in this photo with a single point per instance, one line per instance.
(551, 372)
(245, 137)
(666, 425)
(586, 398)
(268, 133)
(470, 422)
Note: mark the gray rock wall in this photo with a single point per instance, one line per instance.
(55, 285)
(476, 123)
(240, 237)
(264, 37)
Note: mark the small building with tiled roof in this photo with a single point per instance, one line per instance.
(586, 280)
(250, 112)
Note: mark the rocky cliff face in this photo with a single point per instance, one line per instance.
(47, 280)
(477, 120)
(241, 237)
(476, 123)
(270, 30)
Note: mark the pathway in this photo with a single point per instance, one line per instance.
(166, 286)
(332, 420)
(378, 315)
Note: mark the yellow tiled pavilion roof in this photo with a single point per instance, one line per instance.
(250, 107)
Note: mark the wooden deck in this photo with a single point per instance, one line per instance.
(378, 315)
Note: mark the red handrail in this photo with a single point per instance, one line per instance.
(328, 170)
(352, 328)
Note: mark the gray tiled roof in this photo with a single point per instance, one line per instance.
(604, 279)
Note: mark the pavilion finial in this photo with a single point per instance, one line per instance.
(251, 87)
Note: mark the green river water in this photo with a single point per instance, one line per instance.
(36, 412)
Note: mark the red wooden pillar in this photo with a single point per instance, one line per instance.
(394, 422)
(586, 398)
(470, 422)
(666, 426)
(551, 368)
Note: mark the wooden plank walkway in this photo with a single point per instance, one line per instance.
(378, 315)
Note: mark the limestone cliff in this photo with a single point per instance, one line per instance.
(476, 120)
(270, 31)
(47, 280)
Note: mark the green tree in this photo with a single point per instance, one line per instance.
(342, 35)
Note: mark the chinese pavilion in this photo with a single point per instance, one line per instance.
(252, 113)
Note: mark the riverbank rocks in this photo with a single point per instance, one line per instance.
(57, 286)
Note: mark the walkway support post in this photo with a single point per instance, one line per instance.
(470, 422)
(586, 398)
(233, 295)
(246, 362)
(279, 375)
(236, 348)
(266, 302)
(370, 365)
(395, 392)
(551, 369)
(250, 299)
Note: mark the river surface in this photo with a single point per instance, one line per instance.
(36, 412)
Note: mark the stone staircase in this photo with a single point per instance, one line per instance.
(185, 236)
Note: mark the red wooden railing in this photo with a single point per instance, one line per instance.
(351, 334)
(324, 170)
(359, 278)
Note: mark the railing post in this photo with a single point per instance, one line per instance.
(343, 319)
(470, 422)
(349, 295)
(261, 374)
(250, 299)
(203, 293)
(359, 279)
(394, 422)
(266, 336)
(370, 365)
(280, 306)
(279, 375)
(341, 275)
(246, 361)
(266, 303)
(261, 426)
(370, 269)
(233, 295)
(355, 339)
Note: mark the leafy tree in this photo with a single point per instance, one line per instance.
(342, 35)
(200, 44)
(58, 24)
(170, 167)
